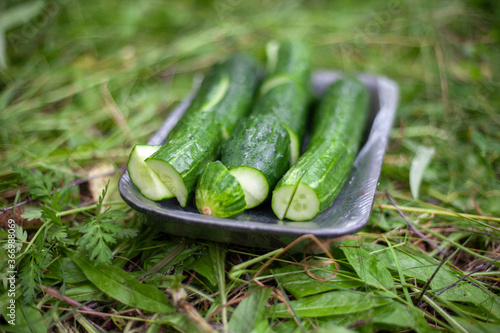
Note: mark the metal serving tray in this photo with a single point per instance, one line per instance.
(259, 227)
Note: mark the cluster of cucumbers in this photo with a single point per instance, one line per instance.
(240, 140)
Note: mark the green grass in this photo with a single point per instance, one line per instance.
(81, 82)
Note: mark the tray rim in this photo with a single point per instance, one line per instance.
(281, 229)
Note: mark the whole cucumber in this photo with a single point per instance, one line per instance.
(312, 184)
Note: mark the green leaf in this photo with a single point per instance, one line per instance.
(32, 212)
(331, 303)
(202, 266)
(121, 286)
(367, 266)
(418, 266)
(179, 321)
(417, 168)
(84, 292)
(477, 326)
(29, 319)
(65, 269)
(20, 14)
(393, 317)
(250, 311)
(296, 281)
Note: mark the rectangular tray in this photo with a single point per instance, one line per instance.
(259, 227)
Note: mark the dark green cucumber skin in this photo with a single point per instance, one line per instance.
(196, 138)
(236, 103)
(260, 142)
(220, 191)
(294, 62)
(190, 151)
(336, 134)
(289, 103)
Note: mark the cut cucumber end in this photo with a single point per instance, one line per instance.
(218, 192)
(171, 178)
(281, 200)
(254, 184)
(305, 204)
(141, 175)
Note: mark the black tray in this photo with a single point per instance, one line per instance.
(259, 227)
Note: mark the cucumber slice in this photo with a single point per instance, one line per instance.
(218, 193)
(145, 180)
(253, 183)
(305, 204)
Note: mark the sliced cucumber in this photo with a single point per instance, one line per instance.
(141, 175)
(312, 184)
(253, 183)
(223, 99)
(180, 162)
(218, 193)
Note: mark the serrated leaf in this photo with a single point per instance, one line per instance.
(250, 311)
(368, 267)
(331, 303)
(32, 213)
(417, 168)
(121, 286)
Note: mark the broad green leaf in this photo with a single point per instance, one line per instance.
(296, 281)
(250, 311)
(332, 328)
(28, 320)
(179, 321)
(65, 269)
(417, 168)
(393, 316)
(202, 266)
(121, 286)
(419, 266)
(85, 292)
(331, 303)
(367, 266)
(478, 326)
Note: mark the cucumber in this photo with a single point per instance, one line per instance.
(219, 193)
(312, 184)
(286, 90)
(257, 154)
(289, 103)
(253, 158)
(262, 148)
(223, 99)
(141, 175)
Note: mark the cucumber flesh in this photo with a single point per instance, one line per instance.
(171, 179)
(305, 204)
(142, 176)
(218, 193)
(253, 183)
(281, 200)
